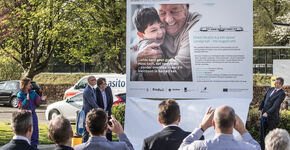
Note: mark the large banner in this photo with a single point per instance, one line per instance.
(189, 49)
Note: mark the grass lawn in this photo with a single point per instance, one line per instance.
(6, 133)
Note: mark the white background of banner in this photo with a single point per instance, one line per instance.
(141, 116)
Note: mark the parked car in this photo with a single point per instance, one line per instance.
(121, 99)
(117, 82)
(71, 105)
(9, 90)
(67, 107)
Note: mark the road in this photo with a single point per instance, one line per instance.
(6, 112)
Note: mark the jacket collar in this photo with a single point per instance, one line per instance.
(98, 139)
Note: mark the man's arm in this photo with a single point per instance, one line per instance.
(239, 126)
(117, 128)
(197, 133)
(90, 98)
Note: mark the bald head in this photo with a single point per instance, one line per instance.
(224, 118)
(60, 130)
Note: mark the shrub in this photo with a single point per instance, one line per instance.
(119, 112)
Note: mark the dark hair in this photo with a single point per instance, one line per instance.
(59, 129)
(225, 119)
(168, 111)
(144, 17)
(96, 121)
(100, 81)
(281, 80)
(21, 121)
(23, 83)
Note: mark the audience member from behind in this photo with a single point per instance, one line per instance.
(97, 125)
(171, 136)
(224, 121)
(21, 125)
(277, 139)
(60, 132)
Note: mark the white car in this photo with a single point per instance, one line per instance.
(67, 107)
(117, 82)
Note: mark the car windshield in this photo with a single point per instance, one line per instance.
(83, 83)
(35, 85)
(77, 98)
(2, 85)
(11, 86)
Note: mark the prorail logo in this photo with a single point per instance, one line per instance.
(158, 89)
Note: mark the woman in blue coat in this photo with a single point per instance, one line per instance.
(28, 99)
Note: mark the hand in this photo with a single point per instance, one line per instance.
(27, 97)
(207, 119)
(265, 114)
(116, 126)
(43, 98)
(150, 52)
(239, 125)
(259, 113)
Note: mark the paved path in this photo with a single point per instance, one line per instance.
(6, 112)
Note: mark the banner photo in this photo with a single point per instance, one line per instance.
(189, 49)
(141, 116)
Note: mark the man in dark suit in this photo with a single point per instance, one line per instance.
(60, 132)
(269, 109)
(171, 136)
(105, 100)
(89, 101)
(21, 124)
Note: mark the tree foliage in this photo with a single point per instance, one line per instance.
(30, 32)
(265, 13)
(9, 69)
(33, 31)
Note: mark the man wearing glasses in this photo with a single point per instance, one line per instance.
(89, 101)
(104, 98)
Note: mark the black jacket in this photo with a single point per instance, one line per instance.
(18, 145)
(169, 138)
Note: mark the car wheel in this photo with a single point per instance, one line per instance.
(13, 102)
(53, 113)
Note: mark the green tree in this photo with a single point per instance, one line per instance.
(265, 13)
(9, 69)
(100, 34)
(30, 32)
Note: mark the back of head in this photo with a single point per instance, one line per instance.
(21, 121)
(168, 111)
(144, 17)
(96, 121)
(224, 118)
(60, 130)
(277, 139)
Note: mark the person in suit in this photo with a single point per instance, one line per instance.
(21, 125)
(89, 101)
(60, 132)
(269, 109)
(105, 100)
(171, 136)
(224, 121)
(97, 125)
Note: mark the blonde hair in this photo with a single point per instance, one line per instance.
(23, 83)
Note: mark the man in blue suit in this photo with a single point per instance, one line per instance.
(89, 101)
(105, 100)
(269, 109)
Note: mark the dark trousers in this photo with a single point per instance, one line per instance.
(266, 125)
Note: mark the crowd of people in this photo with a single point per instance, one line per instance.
(100, 123)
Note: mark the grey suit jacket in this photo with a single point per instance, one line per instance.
(89, 101)
(101, 143)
